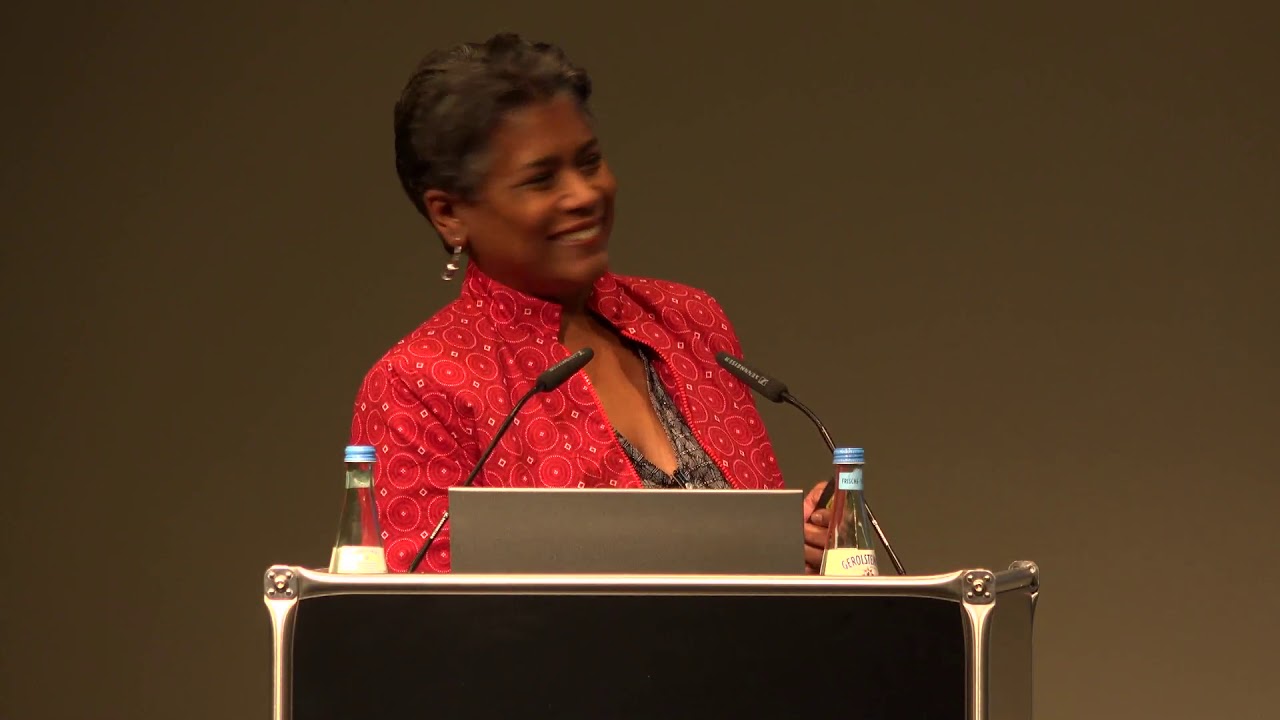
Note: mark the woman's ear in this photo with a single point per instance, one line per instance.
(442, 211)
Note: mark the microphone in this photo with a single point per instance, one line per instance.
(776, 390)
(550, 379)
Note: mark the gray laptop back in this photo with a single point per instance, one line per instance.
(712, 532)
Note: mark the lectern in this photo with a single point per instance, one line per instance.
(955, 645)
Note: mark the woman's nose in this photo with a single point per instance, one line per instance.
(579, 192)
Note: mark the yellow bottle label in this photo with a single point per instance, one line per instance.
(849, 562)
(357, 559)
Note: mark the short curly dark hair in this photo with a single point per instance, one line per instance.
(457, 96)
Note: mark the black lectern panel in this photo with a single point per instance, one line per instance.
(617, 656)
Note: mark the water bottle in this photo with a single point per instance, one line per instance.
(850, 549)
(359, 545)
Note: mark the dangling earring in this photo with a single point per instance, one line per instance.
(455, 263)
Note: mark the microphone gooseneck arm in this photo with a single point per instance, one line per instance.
(550, 379)
(777, 392)
(830, 489)
(417, 560)
(826, 436)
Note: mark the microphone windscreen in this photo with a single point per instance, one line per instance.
(555, 376)
(754, 379)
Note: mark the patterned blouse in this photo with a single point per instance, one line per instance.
(694, 469)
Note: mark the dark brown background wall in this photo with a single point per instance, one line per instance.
(1026, 257)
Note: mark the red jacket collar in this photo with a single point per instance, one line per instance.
(517, 314)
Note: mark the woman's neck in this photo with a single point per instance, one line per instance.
(578, 326)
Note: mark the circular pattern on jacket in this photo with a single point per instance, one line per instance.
(437, 439)
(598, 429)
(483, 367)
(459, 337)
(763, 461)
(616, 465)
(655, 335)
(714, 399)
(739, 430)
(540, 435)
(649, 294)
(675, 320)
(511, 443)
(519, 475)
(502, 307)
(672, 289)
(404, 431)
(589, 467)
(697, 412)
(402, 395)
(448, 373)
(402, 514)
(718, 342)
(375, 386)
(425, 347)
(377, 428)
(468, 404)
(556, 471)
(487, 329)
(439, 406)
(699, 313)
(519, 389)
(531, 360)
(401, 471)
(567, 434)
(496, 396)
(443, 471)
(705, 352)
(400, 552)
(720, 441)
(550, 315)
(553, 403)
(610, 307)
(683, 367)
(733, 388)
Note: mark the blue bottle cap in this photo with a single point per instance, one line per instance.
(848, 456)
(359, 453)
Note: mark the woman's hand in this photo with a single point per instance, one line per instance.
(816, 521)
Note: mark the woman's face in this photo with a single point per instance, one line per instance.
(540, 220)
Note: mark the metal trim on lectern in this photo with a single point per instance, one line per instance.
(977, 591)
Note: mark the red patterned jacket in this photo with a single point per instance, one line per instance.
(431, 404)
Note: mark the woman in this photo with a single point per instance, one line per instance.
(495, 147)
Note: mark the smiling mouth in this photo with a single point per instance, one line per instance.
(579, 236)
